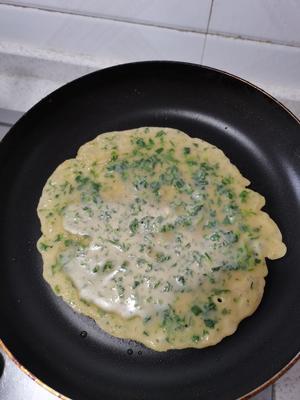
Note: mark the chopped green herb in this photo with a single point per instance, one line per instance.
(114, 156)
(209, 306)
(135, 284)
(155, 186)
(171, 320)
(191, 162)
(167, 228)
(200, 178)
(161, 257)
(227, 180)
(225, 311)
(210, 323)
(134, 226)
(56, 268)
(196, 310)
(244, 196)
(44, 246)
(68, 242)
(107, 266)
(140, 142)
(215, 237)
(195, 209)
(59, 237)
(96, 186)
(141, 183)
(227, 221)
(81, 180)
(57, 289)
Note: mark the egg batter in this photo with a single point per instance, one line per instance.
(156, 236)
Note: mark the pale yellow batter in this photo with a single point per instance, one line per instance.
(154, 235)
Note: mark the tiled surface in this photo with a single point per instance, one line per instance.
(190, 14)
(272, 20)
(27, 61)
(288, 387)
(275, 68)
(112, 42)
(21, 94)
(268, 20)
(27, 74)
(41, 50)
(15, 385)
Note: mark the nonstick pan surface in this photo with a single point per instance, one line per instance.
(67, 351)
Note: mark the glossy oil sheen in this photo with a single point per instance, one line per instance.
(44, 334)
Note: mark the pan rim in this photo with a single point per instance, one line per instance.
(61, 396)
(296, 358)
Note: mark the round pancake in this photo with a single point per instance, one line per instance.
(156, 236)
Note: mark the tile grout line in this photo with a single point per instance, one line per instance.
(206, 33)
(9, 117)
(147, 24)
(5, 124)
(101, 16)
(273, 395)
(252, 39)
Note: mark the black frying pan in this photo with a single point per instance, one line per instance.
(45, 335)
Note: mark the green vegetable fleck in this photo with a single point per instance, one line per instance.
(196, 310)
(210, 323)
(134, 226)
